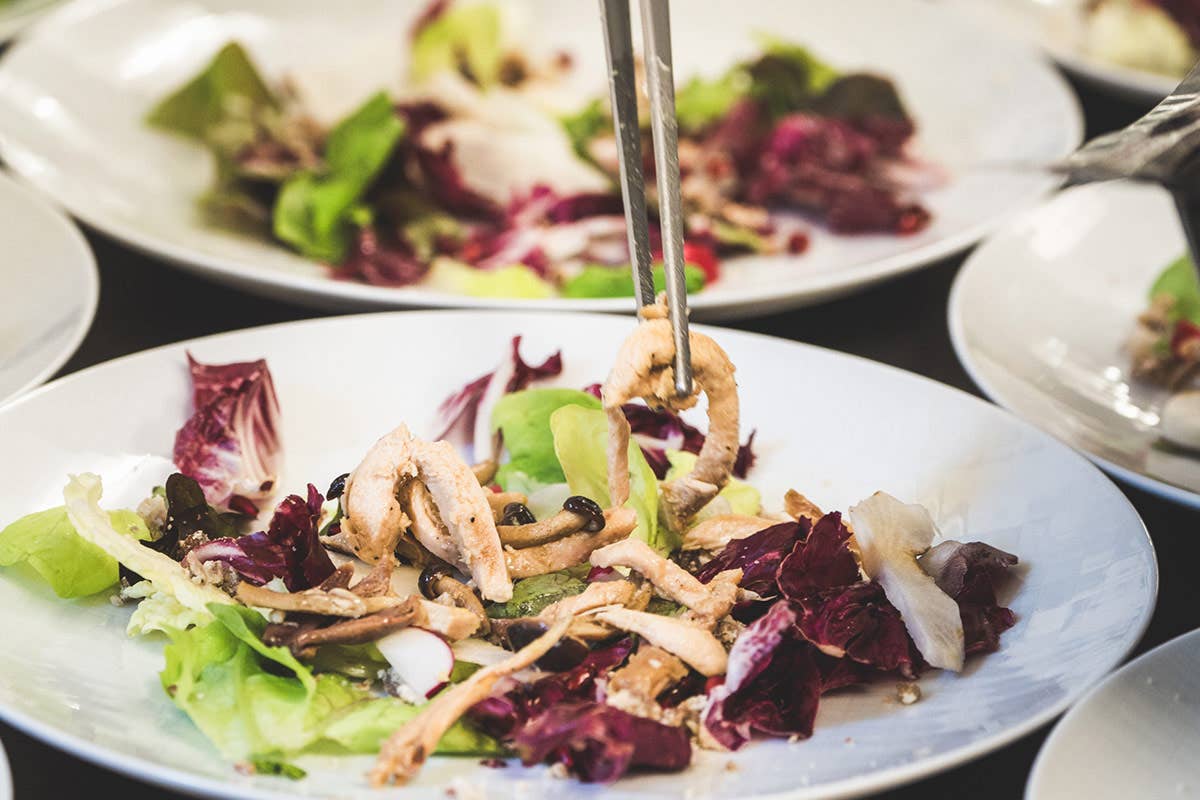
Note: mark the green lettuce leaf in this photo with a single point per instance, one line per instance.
(159, 611)
(524, 420)
(532, 595)
(82, 497)
(254, 702)
(598, 280)
(743, 498)
(1179, 281)
(516, 280)
(73, 566)
(580, 442)
(318, 213)
(702, 101)
(465, 39)
(230, 84)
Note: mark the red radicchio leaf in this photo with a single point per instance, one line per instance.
(600, 743)
(772, 686)
(289, 549)
(822, 560)
(445, 183)
(504, 716)
(969, 573)
(381, 262)
(857, 622)
(230, 445)
(659, 431)
(458, 412)
(758, 556)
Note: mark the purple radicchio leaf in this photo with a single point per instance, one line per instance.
(230, 445)
(466, 414)
(858, 623)
(758, 556)
(505, 714)
(969, 573)
(772, 685)
(822, 560)
(600, 743)
(289, 549)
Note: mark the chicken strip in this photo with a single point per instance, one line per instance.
(715, 532)
(406, 750)
(635, 687)
(570, 550)
(374, 520)
(709, 602)
(797, 505)
(426, 523)
(644, 369)
(618, 456)
(464, 509)
(693, 644)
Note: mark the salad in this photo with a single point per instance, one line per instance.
(1160, 36)
(602, 590)
(1165, 350)
(484, 175)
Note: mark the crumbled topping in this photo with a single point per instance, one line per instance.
(908, 693)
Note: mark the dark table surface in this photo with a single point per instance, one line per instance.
(902, 323)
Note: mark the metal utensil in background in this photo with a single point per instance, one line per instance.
(618, 41)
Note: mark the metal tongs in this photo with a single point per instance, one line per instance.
(1162, 147)
(618, 42)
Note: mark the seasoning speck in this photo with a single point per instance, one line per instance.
(908, 693)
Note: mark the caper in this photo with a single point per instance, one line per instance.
(337, 487)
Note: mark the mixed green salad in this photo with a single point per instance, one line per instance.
(602, 590)
(483, 175)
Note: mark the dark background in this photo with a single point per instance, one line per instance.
(144, 303)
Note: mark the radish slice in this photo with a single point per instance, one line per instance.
(890, 536)
(422, 659)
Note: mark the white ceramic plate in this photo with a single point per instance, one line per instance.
(1134, 735)
(844, 429)
(1057, 26)
(48, 288)
(72, 97)
(16, 15)
(1041, 312)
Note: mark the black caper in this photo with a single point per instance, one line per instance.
(567, 653)
(588, 508)
(337, 487)
(517, 514)
(428, 581)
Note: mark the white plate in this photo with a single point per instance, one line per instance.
(1057, 26)
(48, 289)
(1134, 735)
(16, 15)
(844, 429)
(1040, 314)
(73, 95)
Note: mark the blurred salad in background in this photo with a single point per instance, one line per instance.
(482, 175)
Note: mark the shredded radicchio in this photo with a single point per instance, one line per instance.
(758, 556)
(772, 685)
(230, 445)
(600, 743)
(460, 412)
(289, 549)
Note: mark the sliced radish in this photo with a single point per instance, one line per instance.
(422, 659)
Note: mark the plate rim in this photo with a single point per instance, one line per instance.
(327, 292)
(1041, 762)
(85, 269)
(150, 772)
(963, 351)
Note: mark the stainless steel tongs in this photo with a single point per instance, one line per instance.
(1162, 147)
(618, 41)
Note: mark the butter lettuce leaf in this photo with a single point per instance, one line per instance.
(464, 39)
(254, 701)
(524, 420)
(580, 442)
(229, 85)
(1178, 281)
(69, 563)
